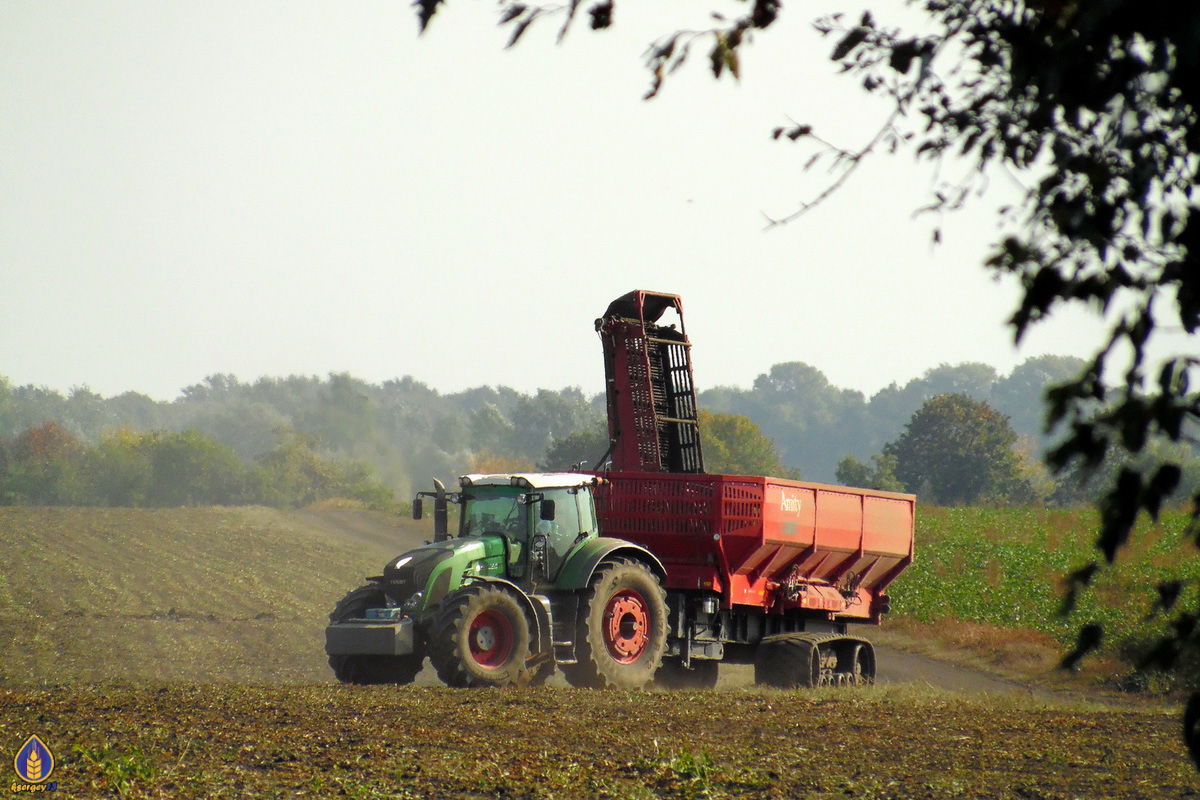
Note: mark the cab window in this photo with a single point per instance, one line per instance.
(587, 511)
(563, 530)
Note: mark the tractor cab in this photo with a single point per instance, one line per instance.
(536, 520)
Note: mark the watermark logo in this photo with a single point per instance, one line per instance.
(34, 764)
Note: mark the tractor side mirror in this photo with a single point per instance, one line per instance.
(416, 508)
(547, 510)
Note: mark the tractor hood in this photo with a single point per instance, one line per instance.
(408, 567)
(438, 568)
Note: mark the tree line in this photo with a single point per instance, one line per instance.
(296, 439)
(49, 466)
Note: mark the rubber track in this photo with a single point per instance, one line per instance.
(785, 660)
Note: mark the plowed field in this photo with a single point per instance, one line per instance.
(329, 741)
(177, 654)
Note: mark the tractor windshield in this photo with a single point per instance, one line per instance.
(495, 510)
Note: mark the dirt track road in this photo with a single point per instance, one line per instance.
(899, 667)
(895, 667)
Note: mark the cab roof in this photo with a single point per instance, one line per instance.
(530, 480)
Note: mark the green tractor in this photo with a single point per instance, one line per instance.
(526, 586)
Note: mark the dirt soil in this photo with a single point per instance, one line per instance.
(326, 741)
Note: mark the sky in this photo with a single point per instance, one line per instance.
(308, 186)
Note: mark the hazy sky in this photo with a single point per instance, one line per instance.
(307, 186)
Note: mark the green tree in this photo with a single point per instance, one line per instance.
(490, 431)
(957, 451)
(118, 471)
(585, 447)
(343, 414)
(294, 474)
(189, 469)
(892, 406)
(809, 420)
(39, 466)
(879, 474)
(733, 445)
(1022, 393)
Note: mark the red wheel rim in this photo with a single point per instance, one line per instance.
(490, 639)
(626, 626)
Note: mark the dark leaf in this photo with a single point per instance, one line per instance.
(520, 28)
(850, 41)
(1191, 728)
(601, 15)
(1089, 639)
(902, 56)
(1185, 626)
(512, 12)
(1118, 512)
(716, 57)
(1134, 427)
(1161, 656)
(1168, 596)
(425, 11)
(1161, 486)
(798, 131)
(765, 12)
(1076, 581)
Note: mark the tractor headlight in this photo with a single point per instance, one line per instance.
(412, 604)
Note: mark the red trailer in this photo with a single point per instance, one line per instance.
(759, 570)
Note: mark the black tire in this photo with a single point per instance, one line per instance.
(623, 628)
(673, 675)
(481, 638)
(787, 661)
(370, 669)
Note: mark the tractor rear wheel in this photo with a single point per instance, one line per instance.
(623, 630)
(674, 675)
(370, 669)
(787, 661)
(481, 638)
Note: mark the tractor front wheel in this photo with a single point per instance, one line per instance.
(480, 638)
(623, 631)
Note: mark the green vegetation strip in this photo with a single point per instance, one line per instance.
(1005, 567)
